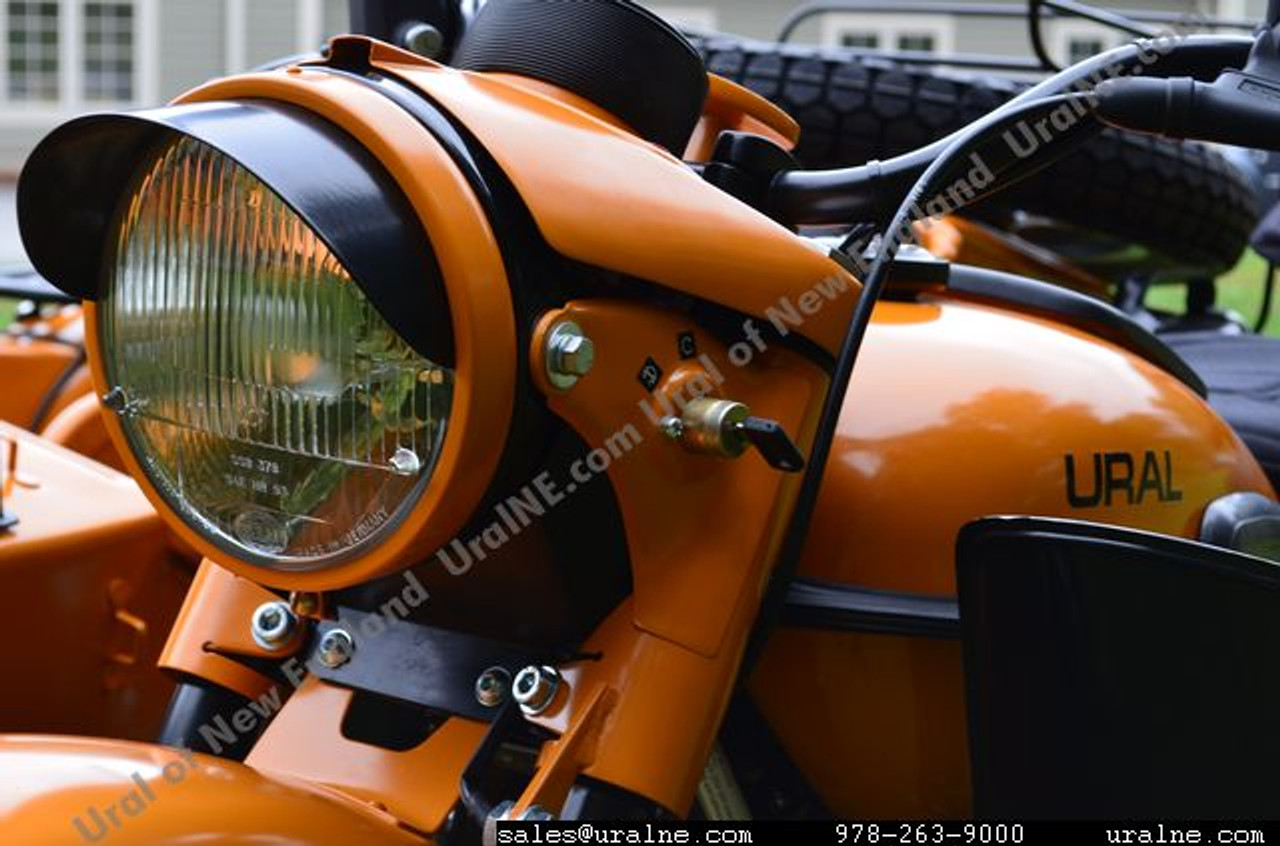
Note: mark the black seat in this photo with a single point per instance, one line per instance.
(1242, 373)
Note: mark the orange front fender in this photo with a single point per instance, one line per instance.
(77, 790)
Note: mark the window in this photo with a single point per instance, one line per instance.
(33, 51)
(918, 33)
(108, 51)
(59, 58)
(918, 42)
(1075, 40)
(860, 40)
(1081, 48)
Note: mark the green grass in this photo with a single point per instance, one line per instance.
(7, 308)
(1239, 290)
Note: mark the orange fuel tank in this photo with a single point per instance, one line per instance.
(958, 411)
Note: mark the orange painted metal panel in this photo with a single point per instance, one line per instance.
(78, 790)
(91, 588)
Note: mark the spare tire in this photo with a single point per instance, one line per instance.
(1184, 202)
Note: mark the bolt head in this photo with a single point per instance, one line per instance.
(115, 399)
(570, 354)
(274, 625)
(576, 355)
(671, 428)
(535, 689)
(492, 687)
(336, 648)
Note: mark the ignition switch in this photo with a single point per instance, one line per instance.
(726, 428)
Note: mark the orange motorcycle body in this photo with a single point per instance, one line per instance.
(90, 587)
(959, 411)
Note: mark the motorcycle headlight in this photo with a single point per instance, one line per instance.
(286, 294)
(268, 400)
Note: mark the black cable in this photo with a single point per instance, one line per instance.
(844, 195)
(54, 391)
(1268, 289)
(1035, 18)
(1106, 17)
(930, 182)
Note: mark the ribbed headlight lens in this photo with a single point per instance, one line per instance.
(266, 399)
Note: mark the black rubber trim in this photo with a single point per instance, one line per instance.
(26, 284)
(825, 605)
(613, 53)
(1075, 309)
(70, 190)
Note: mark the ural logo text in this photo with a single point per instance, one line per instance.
(1121, 478)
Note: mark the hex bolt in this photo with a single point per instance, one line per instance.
(335, 648)
(115, 399)
(535, 688)
(274, 625)
(492, 687)
(672, 428)
(570, 354)
(537, 813)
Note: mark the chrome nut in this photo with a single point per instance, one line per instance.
(336, 648)
(570, 354)
(274, 625)
(535, 689)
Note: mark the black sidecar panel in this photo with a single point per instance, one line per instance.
(1118, 674)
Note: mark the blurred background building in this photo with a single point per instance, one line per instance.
(64, 57)
(59, 58)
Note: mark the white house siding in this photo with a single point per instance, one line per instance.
(271, 30)
(191, 41)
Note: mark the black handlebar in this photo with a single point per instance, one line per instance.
(872, 192)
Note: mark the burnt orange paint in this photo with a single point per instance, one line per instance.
(175, 795)
(702, 532)
(966, 242)
(90, 582)
(418, 787)
(626, 205)
(876, 722)
(732, 108)
(79, 427)
(31, 368)
(959, 411)
(696, 525)
(563, 760)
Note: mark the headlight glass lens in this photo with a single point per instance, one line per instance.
(269, 403)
